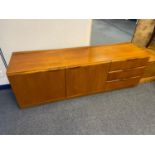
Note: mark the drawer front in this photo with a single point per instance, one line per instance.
(127, 64)
(150, 70)
(117, 84)
(124, 74)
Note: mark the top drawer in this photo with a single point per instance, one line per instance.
(127, 64)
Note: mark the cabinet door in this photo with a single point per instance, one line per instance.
(86, 79)
(40, 87)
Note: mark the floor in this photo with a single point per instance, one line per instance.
(112, 31)
(125, 111)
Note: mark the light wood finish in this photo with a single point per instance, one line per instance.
(124, 74)
(128, 64)
(149, 73)
(39, 87)
(150, 69)
(86, 79)
(148, 79)
(34, 61)
(50, 75)
(117, 84)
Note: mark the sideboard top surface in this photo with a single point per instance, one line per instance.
(34, 61)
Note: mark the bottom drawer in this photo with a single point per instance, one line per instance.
(124, 74)
(117, 84)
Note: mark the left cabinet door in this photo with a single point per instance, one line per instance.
(38, 87)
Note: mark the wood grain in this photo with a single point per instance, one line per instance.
(123, 74)
(118, 84)
(147, 79)
(86, 79)
(129, 63)
(40, 87)
(44, 76)
(34, 61)
(150, 68)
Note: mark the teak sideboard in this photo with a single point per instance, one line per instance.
(44, 76)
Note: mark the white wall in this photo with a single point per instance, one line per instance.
(17, 35)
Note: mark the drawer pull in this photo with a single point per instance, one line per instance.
(132, 59)
(75, 67)
(125, 79)
(111, 85)
(126, 73)
(128, 64)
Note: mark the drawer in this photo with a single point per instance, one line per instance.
(127, 64)
(124, 74)
(117, 84)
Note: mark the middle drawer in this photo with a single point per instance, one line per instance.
(123, 74)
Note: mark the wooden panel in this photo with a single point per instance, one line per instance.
(32, 61)
(123, 74)
(86, 79)
(147, 79)
(150, 70)
(117, 65)
(117, 84)
(128, 64)
(49, 75)
(39, 87)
